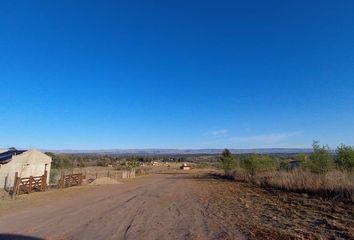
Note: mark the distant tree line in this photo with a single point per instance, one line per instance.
(68, 161)
(321, 160)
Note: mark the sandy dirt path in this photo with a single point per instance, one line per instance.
(163, 206)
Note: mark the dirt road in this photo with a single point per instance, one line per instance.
(176, 206)
(163, 206)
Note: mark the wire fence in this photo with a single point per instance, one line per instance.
(92, 174)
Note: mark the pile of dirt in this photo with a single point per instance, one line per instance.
(4, 195)
(104, 181)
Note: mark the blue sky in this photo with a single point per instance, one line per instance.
(176, 74)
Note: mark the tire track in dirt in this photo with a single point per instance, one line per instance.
(163, 206)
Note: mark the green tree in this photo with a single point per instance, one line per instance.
(321, 159)
(61, 161)
(227, 161)
(302, 158)
(104, 161)
(254, 163)
(132, 163)
(284, 165)
(81, 162)
(345, 157)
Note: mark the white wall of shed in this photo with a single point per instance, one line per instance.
(29, 163)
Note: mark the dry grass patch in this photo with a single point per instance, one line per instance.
(334, 184)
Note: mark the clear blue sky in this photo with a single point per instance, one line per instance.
(176, 74)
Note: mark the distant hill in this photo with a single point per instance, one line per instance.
(183, 151)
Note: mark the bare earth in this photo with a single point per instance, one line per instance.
(176, 206)
(162, 206)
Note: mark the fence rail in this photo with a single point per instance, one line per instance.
(128, 173)
(29, 184)
(92, 174)
(70, 180)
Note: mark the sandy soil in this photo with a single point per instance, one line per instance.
(193, 205)
(163, 206)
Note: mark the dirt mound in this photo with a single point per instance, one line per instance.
(104, 181)
(4, 195)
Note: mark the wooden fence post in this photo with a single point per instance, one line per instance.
(44, 181)
(70, 179)
(81, 177)
(14, 188)
(30, 182)
(62, 180)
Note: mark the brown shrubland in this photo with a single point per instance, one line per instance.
(334, 184)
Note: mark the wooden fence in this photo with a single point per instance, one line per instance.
(29, 184)
(95, 173)
(70, 180)
(128, 173)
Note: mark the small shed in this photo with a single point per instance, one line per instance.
(26, 162)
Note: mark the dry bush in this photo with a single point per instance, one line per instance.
(242, 175)
(143, 170)
(336, 184)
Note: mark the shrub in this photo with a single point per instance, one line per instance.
(254, 163)
(81, 162)
(321, 159)
(61, 162)
(54, 176)
(345, 157)
(201, 165)
(303, 159)
(339, 184)
(227, 161)
(284, 165)
(130, 163)
(103, 162)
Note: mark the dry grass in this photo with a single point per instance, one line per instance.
(262, 213)
(334, 184)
